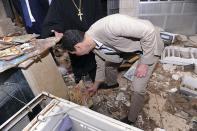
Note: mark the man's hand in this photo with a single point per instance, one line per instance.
(141, 70)
(92, 90)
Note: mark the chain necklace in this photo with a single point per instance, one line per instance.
(80, 14)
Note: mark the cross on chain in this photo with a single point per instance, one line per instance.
(80, 14)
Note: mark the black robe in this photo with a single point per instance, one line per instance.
(63, 15)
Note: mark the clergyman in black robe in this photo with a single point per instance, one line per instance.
(63, 15)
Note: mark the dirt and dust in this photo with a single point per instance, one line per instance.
(165, 107)
(171, 111)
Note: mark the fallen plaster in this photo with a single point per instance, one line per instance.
(189, 81)
(179, 55)
(188, 91)
(169, 68)
(162, 110)
(193, 38)
(164, 119)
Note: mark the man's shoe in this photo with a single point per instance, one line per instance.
(126, 121)
(105, 86)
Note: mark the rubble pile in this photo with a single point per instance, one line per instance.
(79, 95)
(164, 102)
(112, 102)
(174, 110)
(168, 106)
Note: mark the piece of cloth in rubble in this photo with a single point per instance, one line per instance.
(66, 124)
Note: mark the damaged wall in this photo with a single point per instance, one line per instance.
(129, 7)
(177, 16)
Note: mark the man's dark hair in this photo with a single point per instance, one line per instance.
(71, 38)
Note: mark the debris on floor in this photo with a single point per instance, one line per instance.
(79, 95)
(171, 103)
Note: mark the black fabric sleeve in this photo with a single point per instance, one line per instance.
(45, 5)
(53, 20)
(99, 12)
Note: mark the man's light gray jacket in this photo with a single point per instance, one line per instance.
(127, 34)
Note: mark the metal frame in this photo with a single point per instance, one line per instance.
(24, 111)
(86, 118)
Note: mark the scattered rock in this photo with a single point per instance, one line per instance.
(169, 68)
(176, 77)
(183, 115)
(128, 103)
(123, 88)
(121, 97)
(187, 91)
(189, 81)
(96, 99)
(79, 95)
(181, 38)
(173, 90)
(140, 121)
(193, 38)
(159, 129)
(115, 102)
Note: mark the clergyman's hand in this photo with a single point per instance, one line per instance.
(57, 35)
(141, 70)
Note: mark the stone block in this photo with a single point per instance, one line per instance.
(179, 55)
(188, 91)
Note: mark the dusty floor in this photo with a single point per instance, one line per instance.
(163, 109)
(170, 111)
